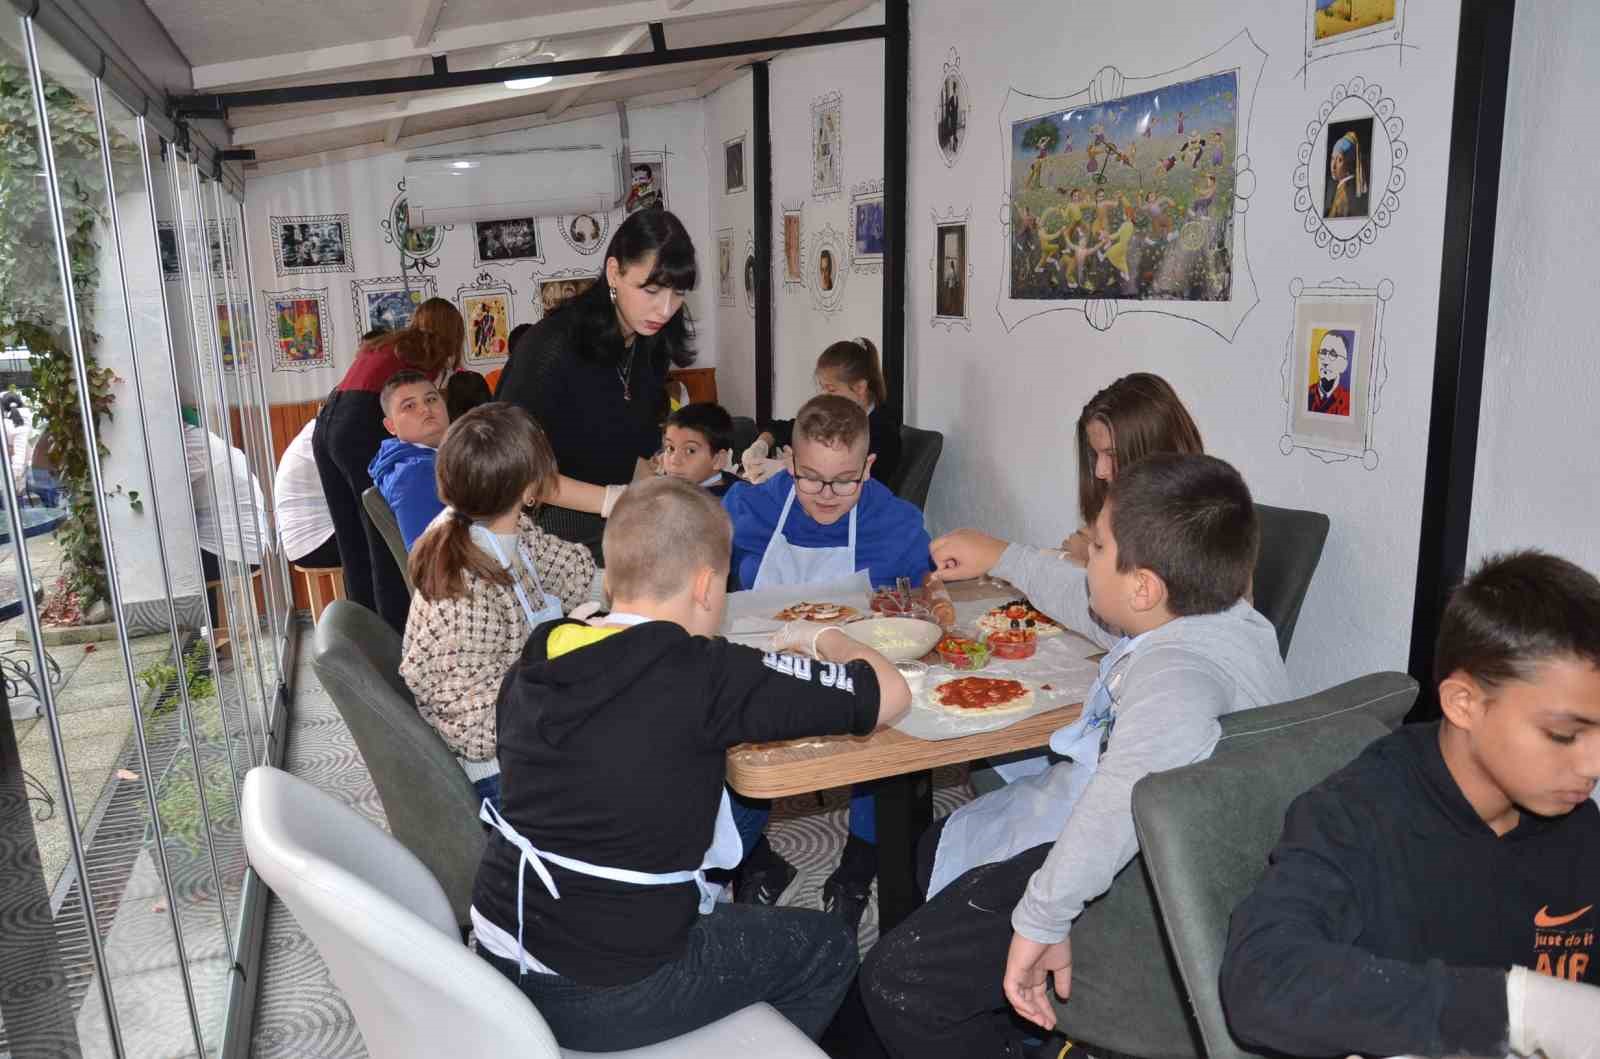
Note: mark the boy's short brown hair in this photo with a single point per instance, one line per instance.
(831, 420)
(403, 377)
(1518, 609)
(659, 535)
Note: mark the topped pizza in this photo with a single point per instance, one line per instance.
(827, 613)
(1022, 613)
(973, 696)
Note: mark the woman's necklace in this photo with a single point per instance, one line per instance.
(625, 371)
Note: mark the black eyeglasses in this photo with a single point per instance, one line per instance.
(838, 486)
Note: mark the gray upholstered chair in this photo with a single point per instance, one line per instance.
(430, 803)
(1131, 997)
(744, 435)
(382, 516)
(1291, 547)
(919, 455)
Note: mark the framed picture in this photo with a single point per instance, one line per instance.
(1339, 27)
(235, 333)
(725, 267)
(953, 106)
(827, 268)
(497, 242)
(1351, 169)
(300, 327)
(1349, 160)
(167, 240)
(222, 247)
(951, 270)
(311, 245)
(555, 289)
(486, 308)
(827, 145)
(584, 232)
(647, 181)
(1333, 370)
(794, 274)
(866, 221)
(388, 302)
(733, 165)
(749, 274)
(419, 245)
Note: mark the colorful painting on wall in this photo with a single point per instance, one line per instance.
(301, 328)
(486, 311)
(388, 302)
(235, 334)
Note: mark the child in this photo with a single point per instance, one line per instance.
(821, 521)
(1407, 883)
(414, 412)
(1135, 416)
(591, 894)
(845, 369)
(698, 442)
(464, 391)
(485, 576)
(1170, 554)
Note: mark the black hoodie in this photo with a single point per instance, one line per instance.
(1391, 913)
(614, 754)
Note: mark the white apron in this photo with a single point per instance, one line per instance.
(783, 564)
(550, 606)
(1034, 809)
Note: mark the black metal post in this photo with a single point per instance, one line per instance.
(761, 137)
(1472, 189)
(896, 126)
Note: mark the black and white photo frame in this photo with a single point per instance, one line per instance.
(1328, 35)
(222, 248)
(388, 302)
(951, 269)
(505, 241)
(733, 165)
(727, 268)
(584, 232)
(551, 290)
(867, 228)
(953, 107)
(312, 245)
(791, 250)
(827, 145)
(420, 246)
(1376, 171)
(1334, 369)
(827, 268)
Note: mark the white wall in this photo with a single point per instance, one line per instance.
(365, 189)
(730, 330)
(1537, 463)
(1007, 403)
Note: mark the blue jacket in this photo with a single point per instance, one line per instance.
(403, 473)
(890, 539)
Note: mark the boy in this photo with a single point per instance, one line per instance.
(1406, 884)
(612, 743)
(414, 412)
(698, 440)
(1170, 556)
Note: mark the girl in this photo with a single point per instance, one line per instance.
(485, 577)
(350, 429)
(1135, 416)
(846, 369)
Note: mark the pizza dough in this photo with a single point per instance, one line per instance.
(827, 613)
(1001, 617)
(981, 696)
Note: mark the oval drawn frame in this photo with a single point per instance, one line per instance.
(1348, 241)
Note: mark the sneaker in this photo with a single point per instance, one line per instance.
(763, 877)
(846, 898)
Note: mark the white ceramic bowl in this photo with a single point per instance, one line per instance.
(897, 639)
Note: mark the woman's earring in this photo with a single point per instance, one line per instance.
(613, 295)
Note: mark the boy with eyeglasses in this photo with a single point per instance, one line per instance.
(822, 519)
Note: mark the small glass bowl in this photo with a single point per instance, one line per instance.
(916, 674)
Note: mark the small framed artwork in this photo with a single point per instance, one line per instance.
(953, 106)
(1351, 168)
(1333, 370)
(866, 220)
(301, 328)
(794, 273)
(584, 232)
(167, 239)
(1349, 161)
(222, 243)
(388, 302)
(419, 245)
(725, 267)
(1338, 27)
(733, 165)
(951, 270)
(827, 260)
(235, 333)
(750, 274)
(498, 242)
(827, 145)
(486, 307)
(647, 181)
(552, 290)
(303, 246)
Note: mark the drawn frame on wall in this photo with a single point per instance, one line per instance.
(241, 353)
(749, 274)
(287, 265)
(167, 242)
(1386, 177)
(1336, 305)
(1240, 56)
(952, 110)
(581, 279)
(584, 232)
(652, 195)
(508, 252)
(1389, 33)
(950, 232)
(791, 247)
(301, 328)
(419, 245)
(725, 267)
(487, 300)
(223, 252)
(733, 179)
(866, 227)
(380, 302)
(829, 241)
(827, 145)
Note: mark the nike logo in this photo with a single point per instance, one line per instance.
(1543, 918)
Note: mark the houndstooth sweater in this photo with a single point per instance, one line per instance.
(456, 651)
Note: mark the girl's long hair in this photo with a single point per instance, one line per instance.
(488, 459)
(432, 343)
(1145, 416)
(856, 360)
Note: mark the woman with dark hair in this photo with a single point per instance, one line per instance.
(594, 372)
(347, 436)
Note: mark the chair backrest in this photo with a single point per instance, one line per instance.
(1205, 830)
(744, 434)
(382, 516)
(919, 455)
(430, 804)
(384, 928)
(1135, 1001)
(1291, 547)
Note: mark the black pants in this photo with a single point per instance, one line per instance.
(212, 571)
(322, 557)
(798, 960)
(932, 985)
(349, 431)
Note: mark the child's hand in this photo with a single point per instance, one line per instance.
(1076, 548)
(760, 469)
(965, 554)
(800, 637)
(757, 451)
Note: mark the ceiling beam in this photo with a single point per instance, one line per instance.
(567, 23)
(621, 46)
(427, 22)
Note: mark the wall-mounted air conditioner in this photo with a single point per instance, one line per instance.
(543, 182)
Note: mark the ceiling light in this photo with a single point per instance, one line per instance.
(528, 82)
(528, 57)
